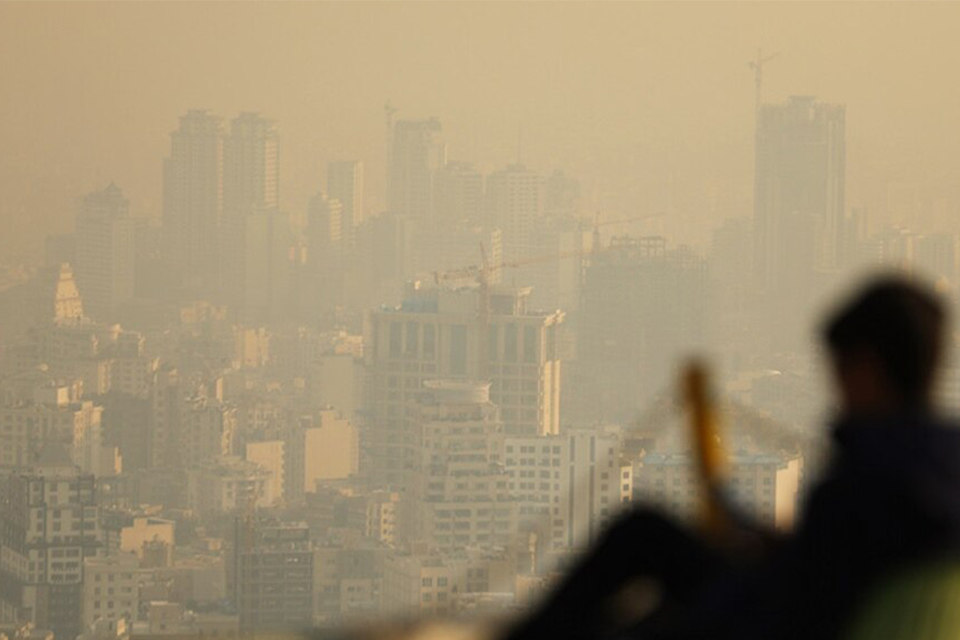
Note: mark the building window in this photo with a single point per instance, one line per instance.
(458, 349)
(395, 339)
(510, 343)
(429, 341)
(412, 346)
(529, 344)
(493, 343)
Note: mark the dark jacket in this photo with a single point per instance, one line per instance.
(890, 500)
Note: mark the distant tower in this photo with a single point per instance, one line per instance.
(324, 222)
(388, 111)
(50, 594)
(67, 304)
(105, 252)
(799, 191)
(254, 236)
(417, 153)
(458, 194)
(193, 193)
(325, 253)
(513, 203)
(562, 196)
(345, 183)
(251, 166)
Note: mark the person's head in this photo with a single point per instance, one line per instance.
(885, 347)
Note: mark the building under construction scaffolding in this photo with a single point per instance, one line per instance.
(643, 305)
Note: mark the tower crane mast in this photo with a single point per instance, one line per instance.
(757, 65)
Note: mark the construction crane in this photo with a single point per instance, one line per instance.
(482, 275)
(757, 66)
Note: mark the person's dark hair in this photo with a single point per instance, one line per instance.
(901, 323)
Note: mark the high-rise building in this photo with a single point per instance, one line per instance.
(193, 193)
(569, 486)
(416, 155)
(256, 239)
(562, 195)
(251, 166)
(105, 238)
(274, 577)
(458, 195)
(763, 486)
(51, 412)
(325, 225)
(345, 183)
(799, 191)
(453, 238)
(383, 261)
(258, 262)
(731, 279)
(326, 253)
(513, 203)
(436, 334)
(165, 428)
(457, 495)
(555, 280)
(50, 525)
(644, 306)
(451, 246)
(111, 589)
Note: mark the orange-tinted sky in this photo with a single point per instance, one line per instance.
(650, 103)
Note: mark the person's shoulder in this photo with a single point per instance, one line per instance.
(896, 433)
(908, 455)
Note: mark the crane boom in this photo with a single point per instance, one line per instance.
(482, 276)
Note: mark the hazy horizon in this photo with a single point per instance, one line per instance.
(275, 356)
(648, 120)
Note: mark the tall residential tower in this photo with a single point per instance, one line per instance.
(193, 193)
(416, 155)
(799, 191)
(251, 165)
(105, 252)
(345, 183)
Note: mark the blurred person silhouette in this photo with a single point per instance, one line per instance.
(889, 501)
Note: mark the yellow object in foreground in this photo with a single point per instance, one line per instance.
(923, 604)
(706, 440)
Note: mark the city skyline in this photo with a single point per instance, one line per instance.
(636, 125)
(310, 327)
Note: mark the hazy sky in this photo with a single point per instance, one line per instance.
(650, 103)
